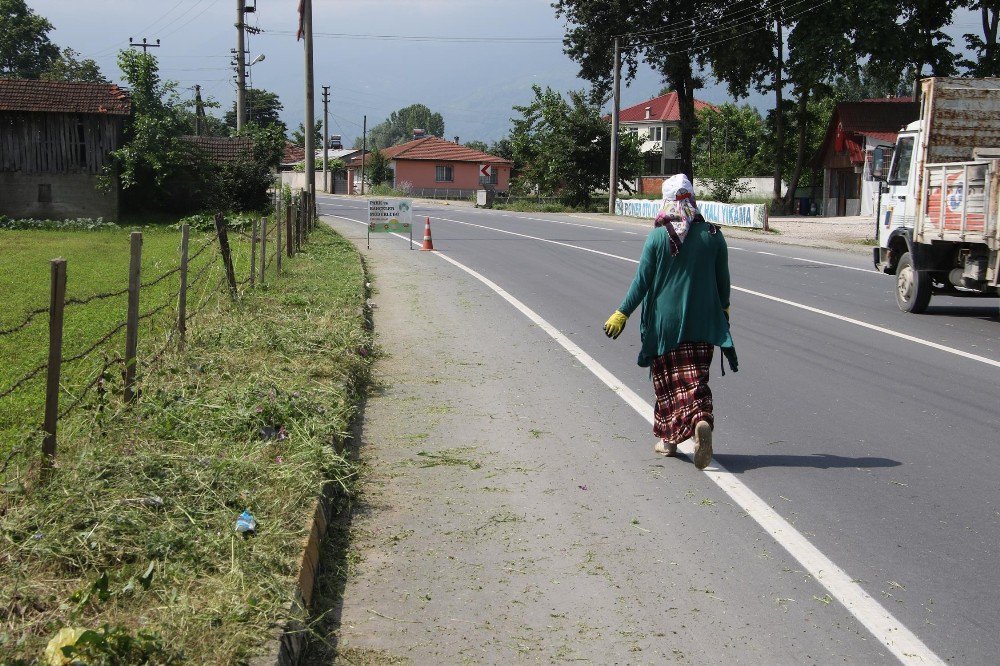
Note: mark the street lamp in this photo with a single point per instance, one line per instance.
(259, 58)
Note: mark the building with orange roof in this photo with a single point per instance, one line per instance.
(657, 122)
(432, 166)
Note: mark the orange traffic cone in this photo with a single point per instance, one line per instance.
(428, 244)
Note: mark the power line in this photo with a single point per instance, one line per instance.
(428, 38)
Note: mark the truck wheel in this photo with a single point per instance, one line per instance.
(913, 288)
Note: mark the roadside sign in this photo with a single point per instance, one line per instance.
(485, 170)
(390, 216)
(385, 216)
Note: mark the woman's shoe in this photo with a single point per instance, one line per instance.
(666, 448)
(702, 444)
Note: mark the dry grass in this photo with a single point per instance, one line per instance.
(155, 489)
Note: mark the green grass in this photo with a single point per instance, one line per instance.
(157, 487)
(97, 262)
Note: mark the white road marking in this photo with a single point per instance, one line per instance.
(899, 640)
(870, 613)
(870, 271)
(572, 224)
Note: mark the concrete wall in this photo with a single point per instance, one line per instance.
(758, 187)
(73, 195)
(297, 181)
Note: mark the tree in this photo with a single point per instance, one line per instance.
(25, 49)
(69, 67)
(263, 108)
(299, 135)
(564, 146)
(377, 169)
(242, 184)
(398, 127)
(985, 48)
(153, 161)
(737, 133)
(664, 33)
(478, 145)
(502, 148)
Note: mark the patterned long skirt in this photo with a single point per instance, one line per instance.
(680, 379)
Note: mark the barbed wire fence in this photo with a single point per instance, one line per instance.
(199, 288)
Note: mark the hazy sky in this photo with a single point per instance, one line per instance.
(473, 84)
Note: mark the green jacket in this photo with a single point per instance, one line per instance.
(682, 297)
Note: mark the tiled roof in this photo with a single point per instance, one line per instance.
(438, 149)
(63, 97)
(662, 108)
(293, 154)
(223, 148)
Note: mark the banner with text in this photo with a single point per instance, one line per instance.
(385, 216)
(751, 216)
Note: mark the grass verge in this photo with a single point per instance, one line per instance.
(97, 262)
(132, 536)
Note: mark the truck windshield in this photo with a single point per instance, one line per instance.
(899, 173)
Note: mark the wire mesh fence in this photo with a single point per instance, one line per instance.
(79, 369)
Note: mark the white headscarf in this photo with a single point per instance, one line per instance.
(679, 206)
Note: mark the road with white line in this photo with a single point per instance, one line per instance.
(862, 440)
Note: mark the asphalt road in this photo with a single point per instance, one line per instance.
(873, 432)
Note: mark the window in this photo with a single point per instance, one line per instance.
(490, 179)
(444, 174)
(656, 134)
(899, 172)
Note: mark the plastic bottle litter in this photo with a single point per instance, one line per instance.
(246, 523)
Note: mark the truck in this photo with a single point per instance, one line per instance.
(938, 232)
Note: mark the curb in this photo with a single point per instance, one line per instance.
(289, 639)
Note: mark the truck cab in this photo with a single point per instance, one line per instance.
(899, 202)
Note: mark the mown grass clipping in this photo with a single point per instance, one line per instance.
(131, 540)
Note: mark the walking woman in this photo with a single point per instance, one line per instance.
(683, 284)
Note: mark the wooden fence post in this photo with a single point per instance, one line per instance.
(289, 236)
(278, 224)
(182, 296)
(132, 321)
(227, 257)
(300, 219)
(263, 248)
(294, 239)
(57, 300)
(253, 254)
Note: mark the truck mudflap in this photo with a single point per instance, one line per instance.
(932, 257)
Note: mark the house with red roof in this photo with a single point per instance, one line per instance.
(855, 130)
(56, 138)
(432, 166)
(657, 122)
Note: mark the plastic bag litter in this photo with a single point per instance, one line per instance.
(246, 523)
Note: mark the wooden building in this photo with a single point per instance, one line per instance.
(856, 129)
(55, 141)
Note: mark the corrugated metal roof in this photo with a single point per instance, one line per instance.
(63, 97)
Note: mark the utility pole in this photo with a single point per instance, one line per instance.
(364, 149)
(145, 46)
(199, 111)
(307, 29)
(241, 62)
(613, 184)
(326, 134)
